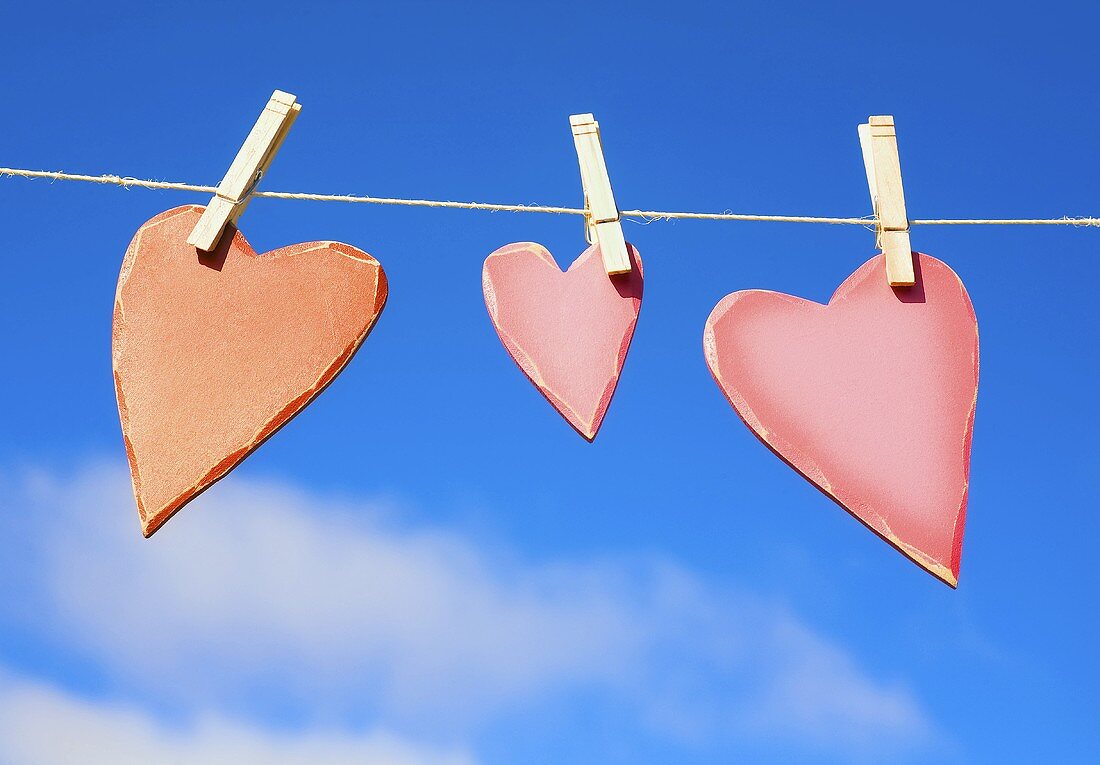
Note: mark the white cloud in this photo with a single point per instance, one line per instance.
(257, 588)
(40, 725)
(819, 691)
(257, 576)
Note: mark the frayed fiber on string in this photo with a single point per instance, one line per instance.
(647, 216)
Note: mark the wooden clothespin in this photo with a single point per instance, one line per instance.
(248, 167)
(602, 223)
(879, 142)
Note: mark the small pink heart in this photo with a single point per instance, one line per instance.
(569, 332)
(871, 398)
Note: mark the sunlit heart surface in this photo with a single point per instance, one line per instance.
(569, 332)
(871, 398)
(214, 352)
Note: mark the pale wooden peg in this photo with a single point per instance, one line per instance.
(879, 143)
(603, 223)
(250, 164)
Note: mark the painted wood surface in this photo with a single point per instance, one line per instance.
(214, 352)
(569, 332)
(871, 398)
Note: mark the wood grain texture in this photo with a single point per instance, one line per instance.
(214, 352)
(603, 223)
(870, 398)
(568, 332)
(878, 139)
(253, 158)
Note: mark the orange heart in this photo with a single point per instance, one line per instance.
(569, 332)
(871, 397)
(214, 352)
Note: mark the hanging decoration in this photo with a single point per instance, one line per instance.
(872, 397)
(570, 332)
(216, 347)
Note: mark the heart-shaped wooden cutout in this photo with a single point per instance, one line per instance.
(871, 398)
(569, 332)
(214, 352)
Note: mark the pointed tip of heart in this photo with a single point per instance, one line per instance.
(585, 429)
(941, 572)
(947, 575)
(151, 523)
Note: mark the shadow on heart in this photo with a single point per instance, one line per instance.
(914, 293)
(216, 258)
(628, 285)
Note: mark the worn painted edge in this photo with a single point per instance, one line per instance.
(586, 427)
(154, 519)
(945, 573)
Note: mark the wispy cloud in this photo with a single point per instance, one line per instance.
(258, 588)
(41, 725)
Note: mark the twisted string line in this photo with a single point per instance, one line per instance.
(644, 215)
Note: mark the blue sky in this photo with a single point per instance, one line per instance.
(428, 566)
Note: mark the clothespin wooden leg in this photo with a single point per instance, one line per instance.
(248, 167)
(602, 222)
(878, 140)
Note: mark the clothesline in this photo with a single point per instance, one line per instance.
(646, 215)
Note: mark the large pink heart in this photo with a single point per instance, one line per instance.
(871, 397)
(569, 332)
